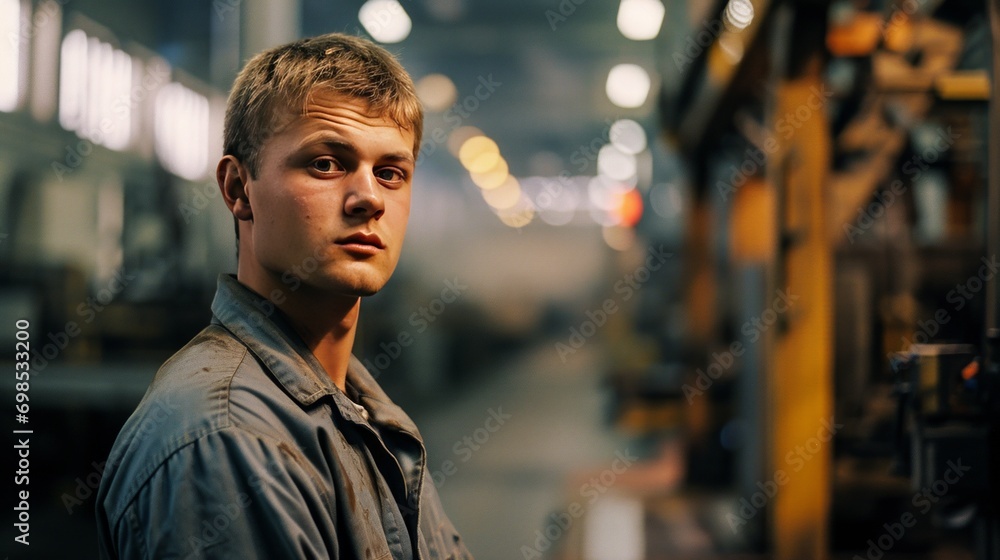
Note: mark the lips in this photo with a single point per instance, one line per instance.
(365, 242)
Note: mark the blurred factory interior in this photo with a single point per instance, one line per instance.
(724, 269)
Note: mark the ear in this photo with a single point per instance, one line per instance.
(233, 178)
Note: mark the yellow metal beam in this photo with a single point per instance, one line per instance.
(800, 378)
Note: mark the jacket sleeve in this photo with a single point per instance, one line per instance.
(230, 494)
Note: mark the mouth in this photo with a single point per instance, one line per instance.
(362, 243)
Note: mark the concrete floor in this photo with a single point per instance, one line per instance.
(500, 494)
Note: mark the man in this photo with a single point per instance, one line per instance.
(264, 437)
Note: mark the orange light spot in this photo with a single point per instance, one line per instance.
(630, 208)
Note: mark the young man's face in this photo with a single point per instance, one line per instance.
(331, 198)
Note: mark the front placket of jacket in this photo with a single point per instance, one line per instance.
(388, 466)
(398, 438)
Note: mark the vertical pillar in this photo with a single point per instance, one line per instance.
(988, 526)
(993, 156)
(799, 388)
(269, 23)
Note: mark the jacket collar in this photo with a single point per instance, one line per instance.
(265, 330)
(383, 411)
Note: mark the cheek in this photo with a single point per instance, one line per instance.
(399, 207)
(302, 213)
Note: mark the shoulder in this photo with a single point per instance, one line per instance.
(188, 395)
(188, 402)
(223, 491)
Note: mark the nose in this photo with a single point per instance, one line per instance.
(364, 196)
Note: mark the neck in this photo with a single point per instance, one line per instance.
(326, 322)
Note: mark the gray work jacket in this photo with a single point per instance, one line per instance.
(244, 448)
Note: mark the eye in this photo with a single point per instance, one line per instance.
(390, 174)
(325, 165)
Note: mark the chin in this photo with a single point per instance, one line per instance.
(358, 287)
(362, 290)
(359, 281)
(355, 279)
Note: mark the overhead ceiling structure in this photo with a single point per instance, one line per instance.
(546, 80)
(531, 74)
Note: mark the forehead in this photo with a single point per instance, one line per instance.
(320, 101)
(325, 109)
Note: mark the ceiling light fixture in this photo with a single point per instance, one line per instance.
(628, 86)
(640, 20)
(385, 20)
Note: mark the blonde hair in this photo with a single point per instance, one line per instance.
(276, 81)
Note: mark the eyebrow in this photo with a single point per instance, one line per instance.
(335, 142)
